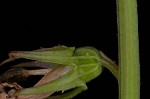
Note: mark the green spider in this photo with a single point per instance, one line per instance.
(86, 63)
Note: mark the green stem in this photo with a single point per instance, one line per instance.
(129, 67)
(109, 64)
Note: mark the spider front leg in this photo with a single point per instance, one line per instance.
(69, 94)
(65, 82)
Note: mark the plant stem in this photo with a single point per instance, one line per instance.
(109, 64)
(129, 67)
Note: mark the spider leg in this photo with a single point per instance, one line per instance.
(65, 82)
(69, 94)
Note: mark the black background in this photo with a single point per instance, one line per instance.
(34, 25)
